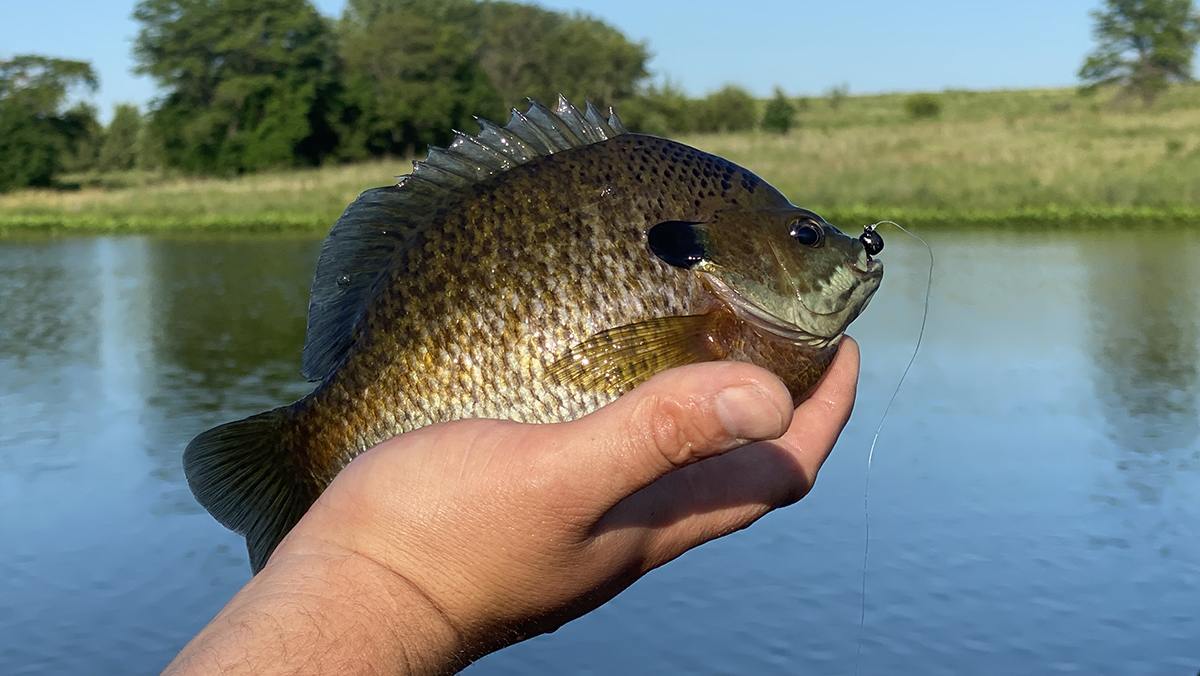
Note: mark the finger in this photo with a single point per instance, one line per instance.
(727, 493)
(820, 419)
(676, 418)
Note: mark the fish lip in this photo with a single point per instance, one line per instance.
(760, 318)
(874, 268)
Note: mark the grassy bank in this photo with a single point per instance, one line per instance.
(1036, 158)
(305, 199)
(993, 152)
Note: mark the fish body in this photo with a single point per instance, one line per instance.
(533, 273)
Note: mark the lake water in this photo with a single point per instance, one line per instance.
(1035, 497)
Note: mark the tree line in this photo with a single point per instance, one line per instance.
(249, 85)
(272, 83)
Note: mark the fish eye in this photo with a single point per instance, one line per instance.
(807, 232)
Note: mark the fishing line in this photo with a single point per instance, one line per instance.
(862, 617)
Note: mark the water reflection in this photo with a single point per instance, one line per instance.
(48, 301)
(228, 327)
(154, 339)
(49, 309)
(227, 313)
(1145, 345)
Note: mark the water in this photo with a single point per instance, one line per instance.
(1035, 494)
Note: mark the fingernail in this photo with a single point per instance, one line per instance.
(747, 413)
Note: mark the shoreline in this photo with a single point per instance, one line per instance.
(1049, 217)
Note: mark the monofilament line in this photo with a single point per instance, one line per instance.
(862, 617)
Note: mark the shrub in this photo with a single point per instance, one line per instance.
(837, 95)
(780, 114)
(659, 109)
(923, 105)
(730, 108)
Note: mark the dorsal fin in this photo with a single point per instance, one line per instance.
(379, 224)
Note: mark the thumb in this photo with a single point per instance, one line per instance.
(676, 418)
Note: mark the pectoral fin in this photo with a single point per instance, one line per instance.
(619, 359)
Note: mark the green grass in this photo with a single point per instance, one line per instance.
(994, 152)
(1032, 158)
(301, 199)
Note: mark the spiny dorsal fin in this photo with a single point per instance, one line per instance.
(378, 225)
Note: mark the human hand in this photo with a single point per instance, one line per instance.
(451, 541)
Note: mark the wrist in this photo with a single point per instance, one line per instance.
(381, 618)
(331, 610)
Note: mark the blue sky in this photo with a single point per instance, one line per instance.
(803, 46)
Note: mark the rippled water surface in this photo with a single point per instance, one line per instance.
(1035, 497)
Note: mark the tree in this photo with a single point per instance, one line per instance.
(415, 69)
(589, 59)
(83, 134)
(529, 51)
(730, 108)
(36, 134)
(246, 81)
(1144, 45)
(410, 78)
(659, 109)
(151, 152)
(780, 113)
(119, 152)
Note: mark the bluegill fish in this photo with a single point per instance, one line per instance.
(534, 272)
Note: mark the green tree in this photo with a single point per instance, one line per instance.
(780, 113)
(730, 108)
(410, 78)
(247, 82)
(1144, 45)
(660, 109)
(589, 59)
(530, 51)
(151, 152)
(36, 134)
(119, 151)
(84, 134)
(512, 46)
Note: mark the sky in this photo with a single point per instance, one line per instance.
(803, 46)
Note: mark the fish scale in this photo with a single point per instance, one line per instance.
(531, 274)
(585, 301)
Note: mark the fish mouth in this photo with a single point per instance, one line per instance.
(873, 268)
(760, 318)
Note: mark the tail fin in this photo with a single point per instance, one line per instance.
(245, 474)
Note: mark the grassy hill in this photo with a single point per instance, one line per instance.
(1032, 157)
